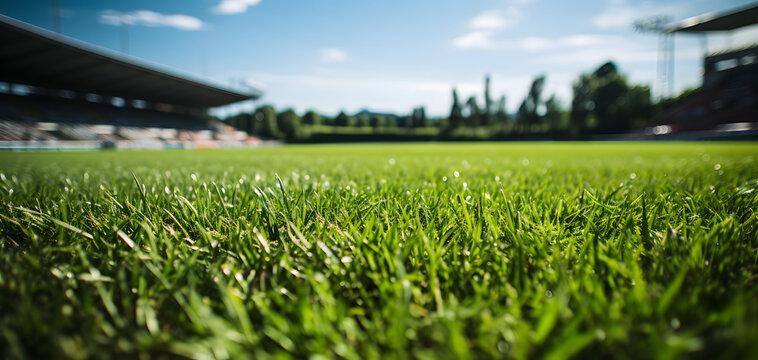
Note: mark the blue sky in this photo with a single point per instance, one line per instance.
(389, 55)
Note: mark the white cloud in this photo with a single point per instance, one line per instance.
(111, 17)
(485, 23)
(234, 6)
(624, 52)
(616, 18)
(596, 56)
(576, 41)
(619, 15)
(333, 82)
(151, 19)
(588, 40)
(474, 39)
(534, 44)
(490, 19)
(333, 56)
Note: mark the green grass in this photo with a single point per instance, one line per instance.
(372, 251)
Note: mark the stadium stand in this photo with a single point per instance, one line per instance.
(726, 103)
(729, 95)
(59, 93)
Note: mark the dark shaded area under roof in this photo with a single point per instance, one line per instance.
(33, 56)
(726, 21)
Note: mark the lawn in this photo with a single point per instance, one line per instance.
(485, 250)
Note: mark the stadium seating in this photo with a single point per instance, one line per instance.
(48, 118)
(728, 94)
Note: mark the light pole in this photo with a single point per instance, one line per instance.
(123, 19)
(665, 67)
(56, 9)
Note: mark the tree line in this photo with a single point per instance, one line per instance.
(604, 102)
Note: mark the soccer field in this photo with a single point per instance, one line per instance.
(482, 250)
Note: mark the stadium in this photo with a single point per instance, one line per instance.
(60, 93)
(333, 223)
(57, 92)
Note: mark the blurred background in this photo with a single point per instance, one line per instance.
(236, 73)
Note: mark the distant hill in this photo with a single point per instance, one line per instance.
(373, 113)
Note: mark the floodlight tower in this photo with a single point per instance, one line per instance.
(665, 67)
(56, 10)
(124, 25)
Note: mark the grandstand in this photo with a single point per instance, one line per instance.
(726, 103)
(60, 93)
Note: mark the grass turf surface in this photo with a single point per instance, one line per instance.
(366, 251)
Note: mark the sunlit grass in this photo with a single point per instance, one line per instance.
(369, 251)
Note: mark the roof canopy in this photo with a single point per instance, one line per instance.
(718, 21)
(33, 56)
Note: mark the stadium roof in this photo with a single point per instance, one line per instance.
(724, 21)
(34, 56)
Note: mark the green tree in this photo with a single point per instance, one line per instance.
(289, 124)
(474, 112)
(419, 117)
(265, 119)
(363, 120)
(531, 110)
(342, 119)
(605, 103)
(328, 121)
(404, 121)
(392, 121)
(312, 118)
(554, 115)
(352, 121)
(488, 111)
(456, 112)
(241, 122)
(582, 105)
(501, 115)
(378, 121)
